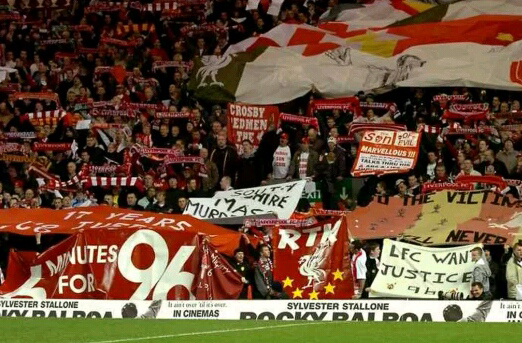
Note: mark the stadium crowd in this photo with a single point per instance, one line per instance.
(138, 63)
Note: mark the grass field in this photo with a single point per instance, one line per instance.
(38, 330)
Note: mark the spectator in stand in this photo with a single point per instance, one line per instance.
(372, 267)
(281, 160)
(432, 163)
(132, 201)
(160, 206)
(225, 183)
(193, 190)
(440, 174)
(467, 168)
(249, 169)
(494, 267)
(182, 204)
(208, 172)
(490, 160)
(481, 271)
(243, 268)
(414, 188)
(477, 292)
(508, 156)
(359, 270)
(225, 157)
(149, 199)
(265, 286)
(304, 162)
(514, 272)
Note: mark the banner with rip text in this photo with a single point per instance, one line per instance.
(135, 264)
(410, 271)
(313, 262)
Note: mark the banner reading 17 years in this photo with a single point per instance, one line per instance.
(386, 152)
(249, 122)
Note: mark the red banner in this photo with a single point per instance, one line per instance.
(45, 221)
(468, 112)
(386, 152)
(137, 264)
(249, 122)
(313, 263)
(345, 104)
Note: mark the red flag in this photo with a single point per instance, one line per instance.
(216, 279)
(313, 262)
(118, 72)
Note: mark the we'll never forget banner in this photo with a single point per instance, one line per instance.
(410, 271)
(280, 199)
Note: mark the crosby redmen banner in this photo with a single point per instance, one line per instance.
(313, 262)
(135, 264)
(386, 152)
(249, 122)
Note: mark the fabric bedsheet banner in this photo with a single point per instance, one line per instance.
(386, 152)
(410, 271)
(135, 264)
(249, 122)
(446, 217)
(313, 262)
(48, 221)
(279, 199)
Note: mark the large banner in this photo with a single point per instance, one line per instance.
(446, 217)
(313, 262)
(280, 199)
(47, 221)
(249, 122)
(135, 264)
(386, 152)
(289, 310)
(410, 271)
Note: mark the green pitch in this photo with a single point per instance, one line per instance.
(40, 330)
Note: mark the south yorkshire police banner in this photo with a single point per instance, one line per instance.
(280, 199)
(410, 271)
(327, 310)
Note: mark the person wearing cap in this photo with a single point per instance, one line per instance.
(281, 159)
(304, 161)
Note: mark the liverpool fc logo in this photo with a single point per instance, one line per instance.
(211, 66)
(311, 265)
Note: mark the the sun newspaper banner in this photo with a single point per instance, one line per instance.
(313, 262)
(386, 152)
(135, 264)
(288, 310)
(249, 122)
(70, 221)
(411, 271)
(447, 217)
(279, 199)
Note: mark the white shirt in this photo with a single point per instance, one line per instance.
(281, 162)
(359, 265)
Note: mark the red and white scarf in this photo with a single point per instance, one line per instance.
(468, 112)
(360, 127)
(292, 118)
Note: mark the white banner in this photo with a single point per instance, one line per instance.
(386, 151)
(410, 271)
(280, 199)
(325, 310)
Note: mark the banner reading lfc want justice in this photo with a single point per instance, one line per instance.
(125, 264)
(249, 122)
(313, 262)
(447, 217)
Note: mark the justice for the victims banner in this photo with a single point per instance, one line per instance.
(249, 122)
(411, 271)
(386, 152)
(313, 262)
(447, 217)
(135, 264)
(47, 221)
